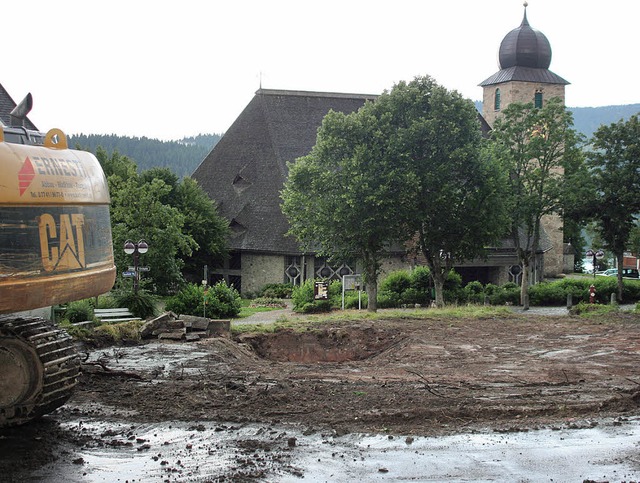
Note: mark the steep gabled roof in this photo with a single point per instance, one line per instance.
(246, 170)
(6, 106)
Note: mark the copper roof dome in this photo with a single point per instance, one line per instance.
(525, 47)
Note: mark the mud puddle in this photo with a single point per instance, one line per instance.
(203, 452)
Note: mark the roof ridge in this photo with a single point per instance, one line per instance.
(342, 95)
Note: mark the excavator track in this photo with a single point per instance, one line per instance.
(40, 368)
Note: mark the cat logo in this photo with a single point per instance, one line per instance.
(63, 248)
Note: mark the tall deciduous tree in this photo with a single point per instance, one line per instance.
(615, 166)
(343, 199)
(456, 210)
(405, 168)
(533, 145)
(176, 218)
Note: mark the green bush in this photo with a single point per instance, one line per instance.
(351, 300)
(404, 287)
(277, 290)
(507, 294)
(388, 299)
(79, 311)
(141, 304)
(453, 291)
(474, 292)
(396, 282)
(547, 293)
(189, 301)
(420, 279)
(222, 301)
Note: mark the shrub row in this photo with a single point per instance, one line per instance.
(409, 288)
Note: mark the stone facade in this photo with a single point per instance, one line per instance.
(516, 91)
(554, 258)
(260, 269)
(523, 92)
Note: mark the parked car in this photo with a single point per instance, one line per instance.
(630, 273)
(610, 272)
(626, 273)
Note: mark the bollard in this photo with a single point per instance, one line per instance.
(569, 301)
(613, 299)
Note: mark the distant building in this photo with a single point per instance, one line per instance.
(246, 170)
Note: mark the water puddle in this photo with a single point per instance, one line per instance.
(208, 452)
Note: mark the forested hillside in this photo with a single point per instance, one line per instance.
(182, 156)
(588, 119)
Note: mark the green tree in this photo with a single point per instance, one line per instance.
(343, 199)
(534, 146)
(137, 212)
(455, 210)
(206, 226)
(403, 168)
(615, 166)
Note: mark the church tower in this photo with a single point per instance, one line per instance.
(524, 76)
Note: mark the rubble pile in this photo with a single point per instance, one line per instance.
(170, 326)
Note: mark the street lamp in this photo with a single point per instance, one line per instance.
(597, 255)
(135, 249)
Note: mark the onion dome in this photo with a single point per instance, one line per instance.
(525, 47)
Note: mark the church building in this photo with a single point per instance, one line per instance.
(246, 170)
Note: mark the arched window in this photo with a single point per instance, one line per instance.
(537, 100)
(496, 100)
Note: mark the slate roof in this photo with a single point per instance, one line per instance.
(247, 168)
(526, 74)
(6, 106)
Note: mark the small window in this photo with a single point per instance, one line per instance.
(537, 100)
(496, 101)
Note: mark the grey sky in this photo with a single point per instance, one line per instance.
(171, 69)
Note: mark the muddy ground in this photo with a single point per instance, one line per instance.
(413, 378)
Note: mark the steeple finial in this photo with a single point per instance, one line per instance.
(524, 20)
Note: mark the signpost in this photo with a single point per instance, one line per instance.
(352, 282)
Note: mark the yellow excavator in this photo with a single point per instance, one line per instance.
(55, 247)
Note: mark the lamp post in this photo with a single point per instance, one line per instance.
(135, 249)
(597, 255)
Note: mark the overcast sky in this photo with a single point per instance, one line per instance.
(171, 69)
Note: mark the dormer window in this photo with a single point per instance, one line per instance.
(496, 100)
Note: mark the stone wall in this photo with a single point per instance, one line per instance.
(516, 91)
(554, 258)
(261, 269)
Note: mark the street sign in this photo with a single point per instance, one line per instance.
(129, 274)
(143, 269)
